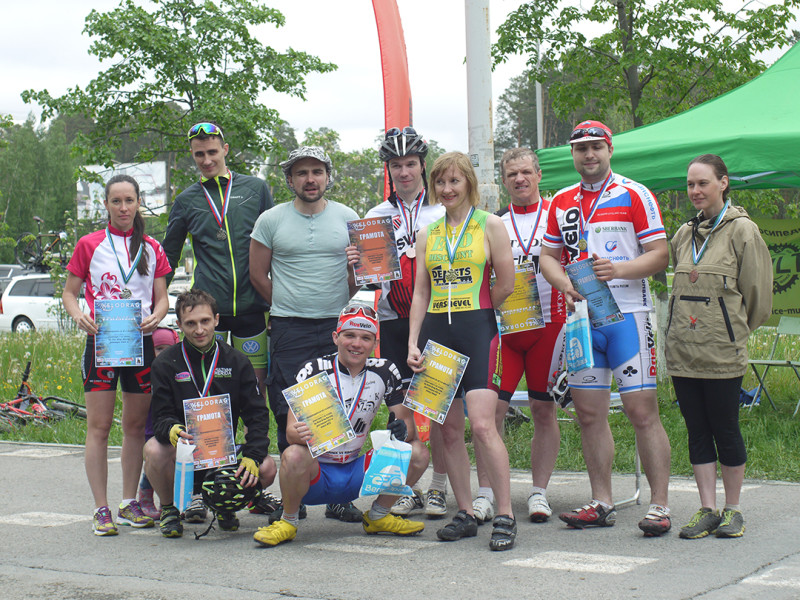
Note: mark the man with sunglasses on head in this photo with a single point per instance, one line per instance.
(616, 222)
(298, 264)
(404, 151)
(217, 214)
(362, 385)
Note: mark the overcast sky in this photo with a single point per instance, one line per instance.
(42, 47)
(51, 53)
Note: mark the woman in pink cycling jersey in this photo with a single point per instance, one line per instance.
(118, 262)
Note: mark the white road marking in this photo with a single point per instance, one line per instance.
(581, 562)
(378, 545)
(41, 452)
(43, 519)
(785, 577)
(691, 486)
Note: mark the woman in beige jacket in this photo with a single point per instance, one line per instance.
(722, 290)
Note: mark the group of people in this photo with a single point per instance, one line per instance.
(458, 266)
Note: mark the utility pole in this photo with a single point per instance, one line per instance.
(479, 101)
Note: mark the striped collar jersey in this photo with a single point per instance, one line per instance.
(626, 218)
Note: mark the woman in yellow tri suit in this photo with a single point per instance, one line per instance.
(453, 305)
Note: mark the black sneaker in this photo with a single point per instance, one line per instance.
(344, 512)
(278, 514)
(228, 521)
(170, 522)
(462, 525)
(265, 504)
(504, 533)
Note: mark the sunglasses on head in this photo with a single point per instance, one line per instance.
(354, 309)
(589, 132)
(207, 128)
(394, 132)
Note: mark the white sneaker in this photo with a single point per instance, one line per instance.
(483, 509)
(408, 504)
(196, 512)
(538, 508)
(436, 503)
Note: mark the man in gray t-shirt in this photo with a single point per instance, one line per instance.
(298, 264)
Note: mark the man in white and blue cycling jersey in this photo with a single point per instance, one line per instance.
(363, 384)
(617, 222)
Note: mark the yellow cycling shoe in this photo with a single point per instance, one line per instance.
(277, 533)
(391, 524)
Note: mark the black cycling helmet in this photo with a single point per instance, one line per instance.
(402, 142)
(223, 491)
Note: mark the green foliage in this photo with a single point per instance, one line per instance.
(643, 60)
(37, 181)
(176, 62)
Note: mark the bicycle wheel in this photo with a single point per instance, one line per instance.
(6, 423)
(70, 408)
(28, 251)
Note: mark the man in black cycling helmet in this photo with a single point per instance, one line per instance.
(404, 152)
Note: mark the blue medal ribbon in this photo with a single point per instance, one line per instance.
(585, 222)
(411, 219)
(698, 254)
(452, 248)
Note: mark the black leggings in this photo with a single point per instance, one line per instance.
(710, 408)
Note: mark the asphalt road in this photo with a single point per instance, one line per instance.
(50, 552)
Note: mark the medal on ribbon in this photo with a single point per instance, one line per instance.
(410, 221)
(126, 276)
(356, 397)
(583, 244)
(219, 217)
(210, 377)
(698, 254)
(526, 247)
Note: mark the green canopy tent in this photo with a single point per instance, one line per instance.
(755, 128)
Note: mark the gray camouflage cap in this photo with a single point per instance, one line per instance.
(307, 152)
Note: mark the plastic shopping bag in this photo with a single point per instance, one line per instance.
(388, 468)
(184, 474)
(579, 339)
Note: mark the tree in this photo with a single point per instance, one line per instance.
(176, 62)
(649, 59)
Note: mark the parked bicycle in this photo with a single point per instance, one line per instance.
(27, 407)
(31, 249)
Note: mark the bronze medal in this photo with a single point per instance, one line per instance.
(126, 293)
(694, 275)
(221, 235)
(411, 253)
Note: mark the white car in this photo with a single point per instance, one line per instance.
(28, 303)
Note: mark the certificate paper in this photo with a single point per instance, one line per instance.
(522, 310)
(118, 342)
(210, 423)
(432, 391)
(315, 403)
(603, 309)
(375, 240)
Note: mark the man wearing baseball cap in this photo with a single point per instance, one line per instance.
(299, 266)
(616, 222)
(362, 384)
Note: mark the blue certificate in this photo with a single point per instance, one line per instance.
(603, 309)
(118, 342)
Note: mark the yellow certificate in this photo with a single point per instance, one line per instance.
(522, 310)
(315, 403)
(431, 392)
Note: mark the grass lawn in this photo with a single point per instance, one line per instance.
(770, 436)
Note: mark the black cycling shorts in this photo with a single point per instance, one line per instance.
(134, 380)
